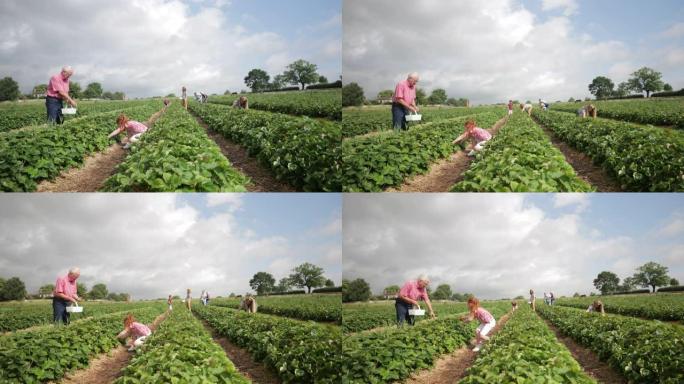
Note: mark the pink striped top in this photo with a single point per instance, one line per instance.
(139, 330)
(413, 291)
(480, 134)
(66, 287)
(134, 127)
(404, 91)
(483, 316)
(57, 83)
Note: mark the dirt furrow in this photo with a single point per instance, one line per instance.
(444, 173)
(96, 169)
(262, 179)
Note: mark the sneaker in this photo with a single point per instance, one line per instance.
(127, 146)
(471, 153)
(477, 348)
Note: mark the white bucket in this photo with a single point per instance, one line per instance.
(68, 111)
(417, 312)
(413, 117)
(74, 309)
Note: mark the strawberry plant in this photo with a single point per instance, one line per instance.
(180, 351)
(359, 317)
(310, 307)
(302, 151)
(374, 163)
(326, 104)
(643, 351)
(176, 155)
(525, 351)
(669, 307)
(521, 158)
(299, 352)
(644, 111)
(641, 158)
(48, 353)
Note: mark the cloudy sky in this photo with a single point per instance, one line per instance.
(152, 245)
(490, 51)
(153, 47)
(501, 245)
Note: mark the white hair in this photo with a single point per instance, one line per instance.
(67, 69)
(75, 271)
(413, 75)
(423, 277)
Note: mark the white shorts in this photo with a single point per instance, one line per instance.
(510, 112)
(485, 328)
(479, 145)
(139, 341)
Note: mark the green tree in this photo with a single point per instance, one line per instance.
(75, 90)
(263, 283)
(443, 292)
(307, 275)
(257, 80)
(118, 96)
(438, 96)
(329, 283)
(651, 275)
(601, 87)
(284, 285)
(93, 91)
(628, 284)
(352, 95)
(421, 97)
(227, 92)
(646, 80)
(81, 290)
(622, 90)
(278, 82)
(385, 94)
(39, 91)
(571, 100)
(667, 87)
(322, 79)
(607, 282)
(46, 290)
(674, 282)
(355, 290)
(107, 95)
(9, 89)
(171, 96)
(301, 72)
(391, 290)
(98, 292)
(13, 289)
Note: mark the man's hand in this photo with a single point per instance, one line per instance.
(432, 315)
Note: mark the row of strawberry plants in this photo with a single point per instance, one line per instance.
(299, 352)
(176, 155)
(326, 104)
(525, 351)
(661, 306)
(313, 307)
(642, 351)
(36, 315)
(51, 352)
(362, 317)
(302, 151)
(30, 156)
(521, 158)
(374, 163)
(640, 158)
(180, 351)
(392, 355)
(643, 111)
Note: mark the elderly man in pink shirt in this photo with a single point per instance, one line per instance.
(408, 297)
(57, 93)
(404, 101)
(64, 294)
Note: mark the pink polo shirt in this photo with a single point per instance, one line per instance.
(139, 330)
(65, 287)
(57, 83)
(404, 91)
(134, 127)
(412, 291)
(479, 134)
(483, 316)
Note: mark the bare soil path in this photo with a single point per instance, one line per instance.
(262, 178)
(444, 173)
(595, 368)
(258, 373)
(582, 164)
(96, 169)
(107, 367)
(451, 368)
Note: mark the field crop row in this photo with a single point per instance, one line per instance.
(640, 158)
(362, 317)
(525, 351)
(374, 163)
(176, 155)
(648, 111)
(662, 306)
(299, 352)
(30, 156)
(302, 151)
(642, 351)
(326, 104)
(316, 307)
(180, 351)
(49, 353)
(521, 158)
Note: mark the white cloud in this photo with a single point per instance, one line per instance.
(580, 200)
(675, 31)
(569, 6)
(232, 200)
(673, 228)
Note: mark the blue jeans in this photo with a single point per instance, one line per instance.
(402, 308)
(54, 110)
(59, 311)
(399, 117)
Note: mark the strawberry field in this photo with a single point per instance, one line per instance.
(322, 104)
(657, 111)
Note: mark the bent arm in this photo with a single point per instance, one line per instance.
(66, 97)
(460, 138)
(115, 132)
(408, 300)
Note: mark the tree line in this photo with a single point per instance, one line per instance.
(15, 289)
(9, 91)
(359, 290)
(642, 80)
(306, 275)
(353, 96)
(650, 275)
(300, 72)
